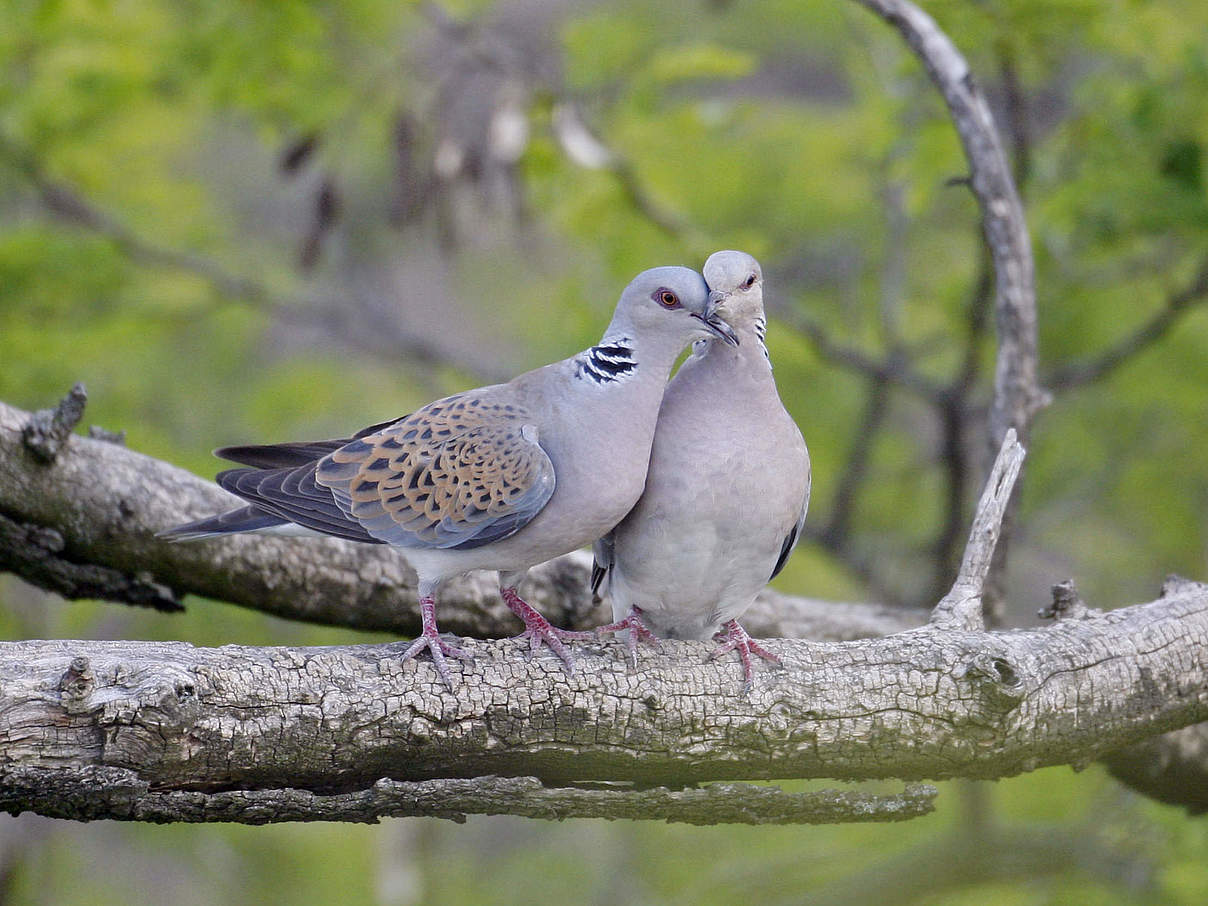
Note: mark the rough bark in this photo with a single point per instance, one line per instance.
(926, 703)
(298, 726)
(171, 732)
(91, 793)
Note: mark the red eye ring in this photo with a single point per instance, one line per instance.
(749, 282)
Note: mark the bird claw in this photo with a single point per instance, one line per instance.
(638, 631)
(538, 630)
(440, 650)
(734, 638)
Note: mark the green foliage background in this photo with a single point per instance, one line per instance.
(149, 246)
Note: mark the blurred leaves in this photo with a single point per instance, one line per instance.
(290, 148)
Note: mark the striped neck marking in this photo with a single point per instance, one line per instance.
(611, 361)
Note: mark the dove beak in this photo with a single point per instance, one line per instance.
(714, 321)
(718, 327)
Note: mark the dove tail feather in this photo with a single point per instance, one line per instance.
(244, 519)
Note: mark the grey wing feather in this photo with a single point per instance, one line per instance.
(243, 519)
(791, 539)
(293, 454)
(292, 495)
(603, 553)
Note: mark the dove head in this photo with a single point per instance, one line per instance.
(670, 304)
(735, 287)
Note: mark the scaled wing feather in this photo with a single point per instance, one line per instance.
(459, 473)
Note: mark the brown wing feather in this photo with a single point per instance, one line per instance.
(458, 473)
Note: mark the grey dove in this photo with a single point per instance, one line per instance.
(502, 477)
(726, 492)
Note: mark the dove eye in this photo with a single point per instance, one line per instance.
(667, 298)
(749, 282)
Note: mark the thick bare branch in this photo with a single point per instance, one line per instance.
(929, 703)
(103, 502)
(105, 792)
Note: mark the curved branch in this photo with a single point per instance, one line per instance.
(928, 703)
(91, 793)
(1017, 395)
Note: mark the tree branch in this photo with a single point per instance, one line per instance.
(92, 793)
(962, 606)
(1078, 374)
(929, 703)
(1016, 392)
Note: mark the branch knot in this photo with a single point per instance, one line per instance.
(1067, 604)
(48, 429)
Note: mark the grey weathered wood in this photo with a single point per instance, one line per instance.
(1017, 391)
(928, 703)
(961, 608)
(937, 701)
(248, 725)
(90, 793)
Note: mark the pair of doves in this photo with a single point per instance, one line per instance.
(694, 502)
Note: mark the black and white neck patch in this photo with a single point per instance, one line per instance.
(761, 332)
(611, 361)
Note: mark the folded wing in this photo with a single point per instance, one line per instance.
(459, 473)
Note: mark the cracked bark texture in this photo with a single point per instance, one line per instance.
(102, 792)
(927, 703)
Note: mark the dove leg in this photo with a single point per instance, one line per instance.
(537, 629)
(734, 638)
(430, 639)
(638, 631)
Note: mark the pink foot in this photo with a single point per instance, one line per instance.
(734, 638)
(538, 629)
(638, 631)
(437, 647)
